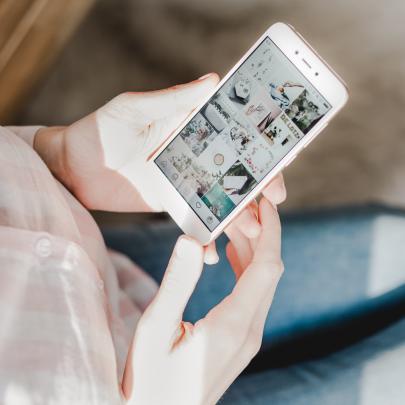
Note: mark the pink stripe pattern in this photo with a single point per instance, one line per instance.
(68, 306)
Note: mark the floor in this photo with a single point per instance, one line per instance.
(149, 44)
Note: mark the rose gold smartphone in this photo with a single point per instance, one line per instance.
(265, 111)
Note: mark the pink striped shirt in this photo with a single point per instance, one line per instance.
(68, 307)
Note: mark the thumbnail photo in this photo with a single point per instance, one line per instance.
(305, 111)
(218, 202)
(259, 159)
(261, 110)
(194, 181)
(280, 131)
(283, 93)
(198, 134)
(238, 136)
(177, 155)
(273, 72)
(219, 111)
(240, 88)
(237, 182)
(272, 132)
(180, 162)
(261, 62)
(214, 162)
(281, 135)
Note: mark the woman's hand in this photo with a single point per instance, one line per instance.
(246, 223)
(101, 158)
(174, 362)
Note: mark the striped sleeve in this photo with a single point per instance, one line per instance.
(26, 133)
(55, 342)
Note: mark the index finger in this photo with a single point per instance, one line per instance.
(275, 191)
(263, 273)
(268, 248)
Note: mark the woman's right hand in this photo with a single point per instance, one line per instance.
(175, 362)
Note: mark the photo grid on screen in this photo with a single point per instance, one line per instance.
(241, 133)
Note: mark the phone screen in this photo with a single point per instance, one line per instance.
(241, 133)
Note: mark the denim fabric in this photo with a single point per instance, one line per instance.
(368, 373)
(327, 257)
(344, 280)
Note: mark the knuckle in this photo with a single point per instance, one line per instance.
(264, 277)
(271, 271)
(254, 346)
(280, 268)
(254, 341)
(283, 193)
(256, 332)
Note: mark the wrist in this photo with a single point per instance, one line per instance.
(49, 144)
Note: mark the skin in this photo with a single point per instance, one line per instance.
(195, 364)
(100, 160)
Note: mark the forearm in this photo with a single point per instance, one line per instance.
(50, 146)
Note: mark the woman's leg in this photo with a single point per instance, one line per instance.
(368, 373)
(340, 265)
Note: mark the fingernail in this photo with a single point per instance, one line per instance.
(205, 76)
(187, 248)
(211, 259)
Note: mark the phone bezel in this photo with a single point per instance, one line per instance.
(308, 62)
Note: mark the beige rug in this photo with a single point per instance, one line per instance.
(147, 44)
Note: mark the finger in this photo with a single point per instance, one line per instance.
(254, 207)
(259, 320)
(164, 103)
(182, 274)
(247, 223)
(161, 112)
(211, 254)
(233, 258)
(144, 108)
(241, 245)
(253, 243)
(268, 250)
(260, 278)
(275, 191)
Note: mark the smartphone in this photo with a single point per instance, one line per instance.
(266, 110)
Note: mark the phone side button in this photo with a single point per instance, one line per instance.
(289, 161)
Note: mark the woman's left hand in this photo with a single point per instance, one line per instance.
(101, 158)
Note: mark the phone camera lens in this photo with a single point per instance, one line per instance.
(297, 52)
(316, 74)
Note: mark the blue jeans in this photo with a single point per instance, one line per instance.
(334, 292)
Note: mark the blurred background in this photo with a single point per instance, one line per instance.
(59, 60)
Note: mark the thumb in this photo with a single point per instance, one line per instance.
(147, 107)
(182, 274)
